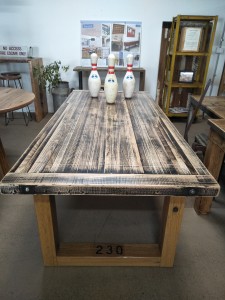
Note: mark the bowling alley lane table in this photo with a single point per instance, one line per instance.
(125, 149)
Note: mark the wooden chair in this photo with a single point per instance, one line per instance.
(200, 142)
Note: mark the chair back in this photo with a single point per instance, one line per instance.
(192, 114)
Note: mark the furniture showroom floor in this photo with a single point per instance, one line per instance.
(199, 267)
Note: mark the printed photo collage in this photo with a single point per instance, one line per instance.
(103, 38)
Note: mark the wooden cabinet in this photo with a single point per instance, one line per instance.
(187, 61)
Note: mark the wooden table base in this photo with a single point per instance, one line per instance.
(56, 253)
(213, 160)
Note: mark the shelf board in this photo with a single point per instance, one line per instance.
(192, 53)
(195, 18)
(184, 85)
(179, 115)
(182, 53)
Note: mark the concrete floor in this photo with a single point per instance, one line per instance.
(199, 268)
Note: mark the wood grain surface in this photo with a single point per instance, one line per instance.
(91, 147)
(12, 99)
(214, 106)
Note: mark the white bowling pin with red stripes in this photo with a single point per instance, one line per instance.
(129, 79)
(111, 84)
(94, 81)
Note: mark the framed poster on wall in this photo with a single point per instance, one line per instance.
(190, 39)
(105, 37)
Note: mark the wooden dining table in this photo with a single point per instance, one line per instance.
(213, 160)
(214, 107)
(129, 148)
(12, 99)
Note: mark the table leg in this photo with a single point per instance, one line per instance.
(47, 225)
(172, 216)
(3, 160)
(80, 75)
(142, 81)
(213, 161)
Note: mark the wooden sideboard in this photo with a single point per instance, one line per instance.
(40, 101)
(82, 70)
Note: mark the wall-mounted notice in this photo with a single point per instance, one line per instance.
(190, 39)
(105, 37)
(13, 51)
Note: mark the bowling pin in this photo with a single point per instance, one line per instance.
(111, 84)
(94, 81)
(129, 80)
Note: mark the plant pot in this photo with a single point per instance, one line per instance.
(59, 94)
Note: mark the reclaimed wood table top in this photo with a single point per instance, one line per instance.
(91, 147)
(218, 125)
(12, 99)
(212, 105)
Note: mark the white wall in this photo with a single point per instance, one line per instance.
(54, 28)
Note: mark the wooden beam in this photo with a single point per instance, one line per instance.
(103, 254)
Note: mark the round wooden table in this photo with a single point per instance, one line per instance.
(12, 99)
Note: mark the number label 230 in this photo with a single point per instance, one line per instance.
(109, 249)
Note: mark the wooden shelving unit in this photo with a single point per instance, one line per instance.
(189, 50)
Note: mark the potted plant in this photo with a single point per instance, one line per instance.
(49, 76)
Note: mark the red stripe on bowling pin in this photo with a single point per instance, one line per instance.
(129, 67)
(94, 67)
(111, 70)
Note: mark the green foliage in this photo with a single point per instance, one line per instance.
(50, 75)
